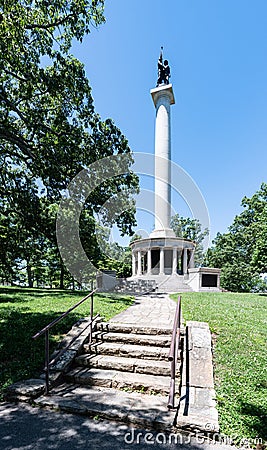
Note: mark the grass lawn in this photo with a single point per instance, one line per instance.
(23, 312)
(239, 326)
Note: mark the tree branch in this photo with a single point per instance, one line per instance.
(49, 25)
(12, 106)
(15, 75)
(17, 140)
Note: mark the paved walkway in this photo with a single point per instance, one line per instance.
(27, 428)
(149, 311)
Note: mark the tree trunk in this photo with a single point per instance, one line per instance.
(29, 275)
(61, 281)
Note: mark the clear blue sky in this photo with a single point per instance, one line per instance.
(217, 50)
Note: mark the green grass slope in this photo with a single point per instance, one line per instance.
(239, 326)
(23, 312)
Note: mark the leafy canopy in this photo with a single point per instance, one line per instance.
(45, 97)
(187, 228)
(242, 251)
(49, 130)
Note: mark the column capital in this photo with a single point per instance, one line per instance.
(161, 91)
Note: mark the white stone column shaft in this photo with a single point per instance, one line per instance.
(163, 97)
(133, 264)
(185, 261)
(162, 164)
(139, 263)
(192, 259)
(174, 260)
(149, 261)
(161, 262)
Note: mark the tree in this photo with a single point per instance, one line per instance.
(187, 228)
(47, 110)
(43, 106)
(49, 130)
(21, 221)
(113, 256)
(241, 253)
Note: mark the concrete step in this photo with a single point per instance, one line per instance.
(136, 286)
(134, 408)
(138, 339)
(147, 366)
(167, 283)
(173, 286)
(117, 327)
(120, 380)
(128, 350)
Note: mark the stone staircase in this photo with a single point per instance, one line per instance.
(125, 358)
(124, 374)
(159, 283)
(173, 283)
(136, 286)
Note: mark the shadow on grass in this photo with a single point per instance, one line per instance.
(20, 356)
(16, 294)
(255, 418)
(5, 298)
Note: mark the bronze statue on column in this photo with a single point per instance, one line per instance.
(164, 72)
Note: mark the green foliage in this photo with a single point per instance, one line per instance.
(23, 312)
(123, 269)
(135, 237)
(113, 256)
(238, 325)
(49, 132)
(44, 107)
(241, 253)
(187, 228)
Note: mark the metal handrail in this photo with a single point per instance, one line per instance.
(174, 348)
(46, 329)
(60, 353)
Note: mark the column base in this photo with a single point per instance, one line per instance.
(164, 233)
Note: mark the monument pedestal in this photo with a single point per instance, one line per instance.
(162, 256)
(204, 279)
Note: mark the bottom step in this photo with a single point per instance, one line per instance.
(136, 409)
(120, 380)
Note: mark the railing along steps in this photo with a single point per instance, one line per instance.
(117, 380)
(128, 357)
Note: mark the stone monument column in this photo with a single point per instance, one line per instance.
(163, 98)
(163, 255)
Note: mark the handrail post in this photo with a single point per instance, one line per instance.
(47, 362)
(91, 319)
(174, 349)
(46, 329)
